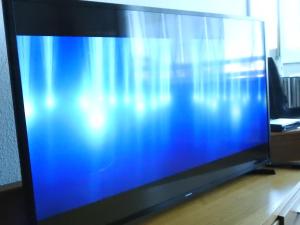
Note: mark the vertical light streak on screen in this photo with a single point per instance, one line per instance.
(216, 51)
(224, 80)
(126, 70)
(96, 66)
(165, 71)
(213, 29)
(250, 68)
(209, 59)
(25, 62)
(233, 48)
(153, 71)
(259, 97)
(238, 81)
(216, 83)
(238, 88)
(181, 50)
(92, 101)
(220, 52)
(246, 92)
(164, 27)
(257, 47)
(135, 26)
(48, 62)
(165, 55)
(203, 67)
(232, 87)
(241, 92)
(111, 54)
(196, 71)
(138, 73)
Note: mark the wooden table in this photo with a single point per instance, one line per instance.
(249, 200)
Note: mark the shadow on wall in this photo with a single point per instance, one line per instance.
(9, 159)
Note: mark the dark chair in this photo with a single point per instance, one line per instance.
(278, 100)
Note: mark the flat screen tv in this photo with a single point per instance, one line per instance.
(122, 110)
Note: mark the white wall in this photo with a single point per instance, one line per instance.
(9, 163)
(289, 37)
(233, 7)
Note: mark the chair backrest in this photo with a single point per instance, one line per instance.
(278, 99)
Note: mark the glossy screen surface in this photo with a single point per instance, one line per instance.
(106, 115)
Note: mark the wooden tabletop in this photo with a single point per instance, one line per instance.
(249, 200)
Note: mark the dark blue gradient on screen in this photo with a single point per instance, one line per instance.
(106, 115)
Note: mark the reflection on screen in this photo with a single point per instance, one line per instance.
(106, 115)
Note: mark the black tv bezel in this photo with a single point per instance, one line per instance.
(230, 167)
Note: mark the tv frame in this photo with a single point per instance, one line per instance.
(227, 168)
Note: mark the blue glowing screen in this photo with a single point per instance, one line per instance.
(106, 115)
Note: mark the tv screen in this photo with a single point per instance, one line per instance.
(123, 109)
